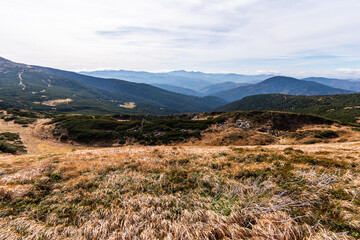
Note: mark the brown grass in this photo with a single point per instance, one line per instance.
(180, 192)
(280, 190)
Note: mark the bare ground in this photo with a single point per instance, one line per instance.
(36, 137)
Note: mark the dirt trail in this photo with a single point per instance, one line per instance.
(36, 138)
(21, 83)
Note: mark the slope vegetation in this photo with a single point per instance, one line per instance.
(154, 130)
(345, 108)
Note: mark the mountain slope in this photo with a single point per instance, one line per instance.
(146, 93)
(345, 108)
(205, 91)
(151, 78)
(25, 86)
(284, 85)
(181, 90)
(214, 88)
(42, 88)
(337, 83)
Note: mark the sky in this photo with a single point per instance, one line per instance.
(287, 37)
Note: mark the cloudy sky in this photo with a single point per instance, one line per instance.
(298, 38)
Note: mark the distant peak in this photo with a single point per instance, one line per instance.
(279, 79)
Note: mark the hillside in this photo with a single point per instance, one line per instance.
(25, 86)
(144, 93)
(337, 83)
(203, 91)
(245, 128)
(181, 90)
(214, 88)
(345, 108)
(284, 85)
(43, 88)
(249, 175)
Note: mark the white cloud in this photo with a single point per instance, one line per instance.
(213, 35)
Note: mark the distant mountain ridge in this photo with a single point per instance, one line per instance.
(181, 78)
(205, 84)
(280, 84)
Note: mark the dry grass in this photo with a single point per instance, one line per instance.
(56, 102)
(129, 105)
(182, 192)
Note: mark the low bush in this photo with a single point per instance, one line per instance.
(7, 147)
(87, 129)
(11, 143)
(326, 134)
(9, 136)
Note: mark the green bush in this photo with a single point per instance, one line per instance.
(24, 121)
(312, 142)
(9, 136)
(87, 129)
(10, 118)
(326, 134)
(7, 147)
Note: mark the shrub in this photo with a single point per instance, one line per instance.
(6, 147)
(24, 121)
(326, 134)
(9, 136)
(312, 142)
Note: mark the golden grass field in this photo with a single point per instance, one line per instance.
(279, 191)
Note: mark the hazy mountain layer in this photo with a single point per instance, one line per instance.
(186, 79)
(284, 85)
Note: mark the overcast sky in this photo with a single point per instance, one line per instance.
(293, 37)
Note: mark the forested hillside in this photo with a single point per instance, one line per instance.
(345, 108)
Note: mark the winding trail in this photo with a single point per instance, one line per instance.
(21, 83)
(37, 138)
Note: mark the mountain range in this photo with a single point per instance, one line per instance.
(204, 84)
(49, 89)
(280, 84)
(185, 79)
